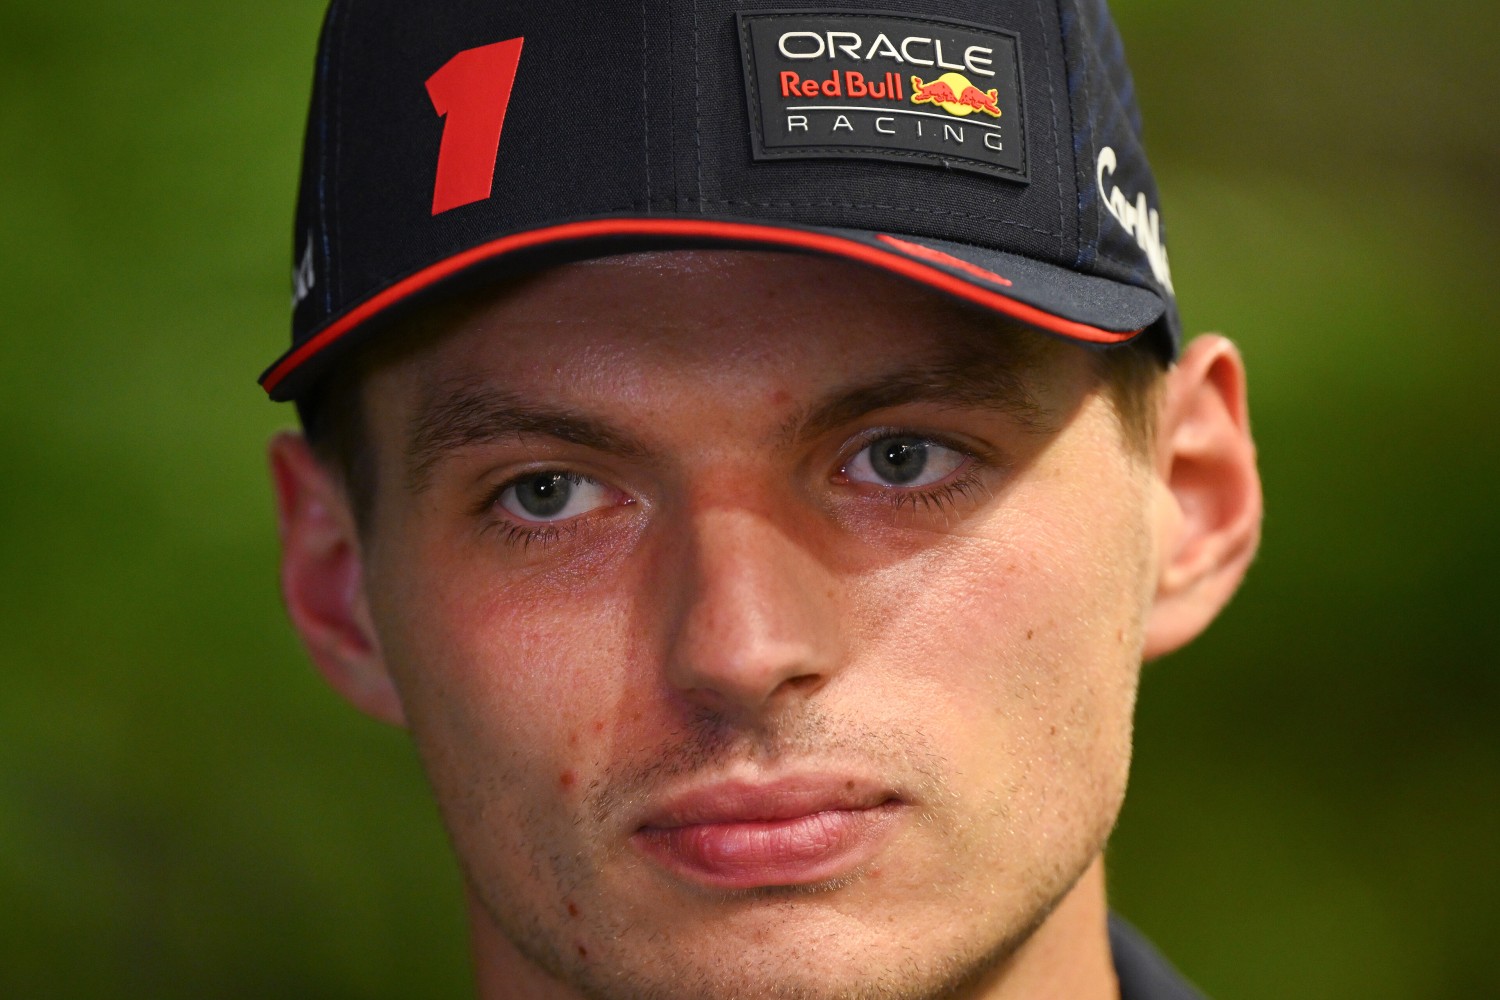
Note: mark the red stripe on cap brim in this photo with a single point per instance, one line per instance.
(743, 232)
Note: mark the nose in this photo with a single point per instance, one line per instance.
(756, 621)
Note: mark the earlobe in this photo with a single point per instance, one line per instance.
(1209, 495)
(322, 579)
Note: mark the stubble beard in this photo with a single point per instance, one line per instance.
(625, 961)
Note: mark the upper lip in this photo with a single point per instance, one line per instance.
(747, 801)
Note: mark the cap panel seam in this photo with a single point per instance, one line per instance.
(1056, 159)
(1073, 23)
(325, 72)
(646, 96)
(1064, 17)
(671, 107)
(1104, 114)
(697, 110)
(336, 270)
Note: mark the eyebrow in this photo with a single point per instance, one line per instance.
(459, 414)
(960, 380)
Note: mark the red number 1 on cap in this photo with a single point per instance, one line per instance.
(471, 92)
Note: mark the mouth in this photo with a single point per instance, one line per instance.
(792, 832)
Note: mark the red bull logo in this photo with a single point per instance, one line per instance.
(956, 95)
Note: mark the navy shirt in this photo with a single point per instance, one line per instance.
(1143, 973)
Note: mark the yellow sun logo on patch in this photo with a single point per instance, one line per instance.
(956, 95)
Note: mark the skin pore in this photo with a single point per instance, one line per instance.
(655, 537)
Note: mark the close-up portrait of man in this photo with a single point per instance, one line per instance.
(749, 499)
(753, 452)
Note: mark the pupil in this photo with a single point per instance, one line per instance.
(544, 496)
(899, 460)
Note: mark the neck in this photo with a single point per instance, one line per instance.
(1067, 957)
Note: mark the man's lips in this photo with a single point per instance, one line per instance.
(742, 835)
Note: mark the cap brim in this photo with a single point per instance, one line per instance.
(1080, 307)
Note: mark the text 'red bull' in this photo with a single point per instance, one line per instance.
(843, 83)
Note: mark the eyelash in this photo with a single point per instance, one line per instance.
(933, 498)
(937, 497)
(514, 533)
(522, 536)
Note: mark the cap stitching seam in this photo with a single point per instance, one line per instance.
(337, 270)
(676, 184)
(1074, 25)
(697, 110)
(1064, 20)
(1056, 159)
(325, 73)
(646, 97)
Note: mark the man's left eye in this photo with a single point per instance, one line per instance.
(552, 496)
(903, 460)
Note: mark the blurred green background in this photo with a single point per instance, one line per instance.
(185, 811)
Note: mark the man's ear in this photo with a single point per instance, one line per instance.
(1209, 499)
(322, 579)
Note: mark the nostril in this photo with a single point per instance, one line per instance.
(802, 684)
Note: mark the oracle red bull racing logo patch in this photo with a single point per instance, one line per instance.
(884, 86)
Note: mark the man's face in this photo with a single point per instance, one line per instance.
(764, 624)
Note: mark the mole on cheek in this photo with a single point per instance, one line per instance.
(572, 908)
(567, 779)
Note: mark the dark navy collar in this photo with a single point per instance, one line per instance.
(1143, 973)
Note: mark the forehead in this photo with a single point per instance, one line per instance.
(711, 315)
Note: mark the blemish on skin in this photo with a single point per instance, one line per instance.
(781, 396)
(572, 739)
(1051, 730)
(567, 779)
(599, 726)
(572, 908)
(1029, 633)
(849, 785)
(583, 952)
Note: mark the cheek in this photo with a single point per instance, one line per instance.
(1022, 639)
(510, 687)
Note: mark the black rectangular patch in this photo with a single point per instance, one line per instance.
(884, 86)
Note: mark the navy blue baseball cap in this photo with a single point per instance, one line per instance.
(988, 149)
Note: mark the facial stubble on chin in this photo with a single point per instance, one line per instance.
(908, 758)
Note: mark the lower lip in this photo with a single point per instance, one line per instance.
(802, 850)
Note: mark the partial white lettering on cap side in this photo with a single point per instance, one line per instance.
(1139, 220)
(302, 277)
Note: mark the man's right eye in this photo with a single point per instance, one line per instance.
(903, 460)
(547, 497)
